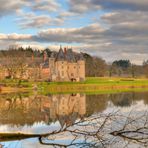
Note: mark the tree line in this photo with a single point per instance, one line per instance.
(21, 58)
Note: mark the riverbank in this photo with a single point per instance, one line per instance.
(14, 89)
(92, 84)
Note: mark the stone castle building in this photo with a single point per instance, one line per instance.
(66, 65)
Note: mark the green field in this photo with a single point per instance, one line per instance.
(96, 85)
(92, 84)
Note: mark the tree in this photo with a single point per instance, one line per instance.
(15, 63)
(145, 68)
(120, 67)
(124, 64)
(95, 66)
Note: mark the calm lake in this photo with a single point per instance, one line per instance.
(39, 114)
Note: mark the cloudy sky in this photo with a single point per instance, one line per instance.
(111, 29)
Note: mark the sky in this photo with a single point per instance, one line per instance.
(111, 29)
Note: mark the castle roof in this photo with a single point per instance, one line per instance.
(81, 57)
(70, 57)
(60, 55)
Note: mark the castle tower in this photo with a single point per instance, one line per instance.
(61, 65)
(45, 56)
(81, 68)
(52, 66)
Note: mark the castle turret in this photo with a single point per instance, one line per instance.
(52, 66)
(45, 56)
(61, 65)
(81, 68)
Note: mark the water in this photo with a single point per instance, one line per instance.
(39, 114)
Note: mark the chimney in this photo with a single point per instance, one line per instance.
(44, 56)
(32, 57)
(65, 50)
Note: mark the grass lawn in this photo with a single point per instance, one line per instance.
(96, 84)
(92, 84)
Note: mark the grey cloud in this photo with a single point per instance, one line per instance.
(85, 34)
(80, 6)
(11, 6)
(141, 5)
(125, 16)
(127, 27)
(72, 35)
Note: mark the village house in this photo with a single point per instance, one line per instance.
(66, 65)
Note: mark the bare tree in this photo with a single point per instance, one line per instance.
(15, 63)
(100, 130)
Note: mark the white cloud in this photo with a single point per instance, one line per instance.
(31, 20)
(81, 6)
(45, 5)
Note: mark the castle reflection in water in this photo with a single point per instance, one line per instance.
(22, 110)
(25, 109)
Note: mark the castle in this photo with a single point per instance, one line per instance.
(66, 65)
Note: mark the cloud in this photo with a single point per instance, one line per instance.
(140, 5)
(70, 35)
(125, 16)
(45, 5)
(13, 6)
(93, 5)
(80, 6)
(8, 7)
(31, 20)
(15, 37)
(87, 34)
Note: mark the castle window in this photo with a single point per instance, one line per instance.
(74, 67)
(62, 73)
(72, 74)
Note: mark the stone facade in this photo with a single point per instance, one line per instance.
(65, 66)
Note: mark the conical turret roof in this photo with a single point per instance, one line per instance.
(61, 55)
(70, 57)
